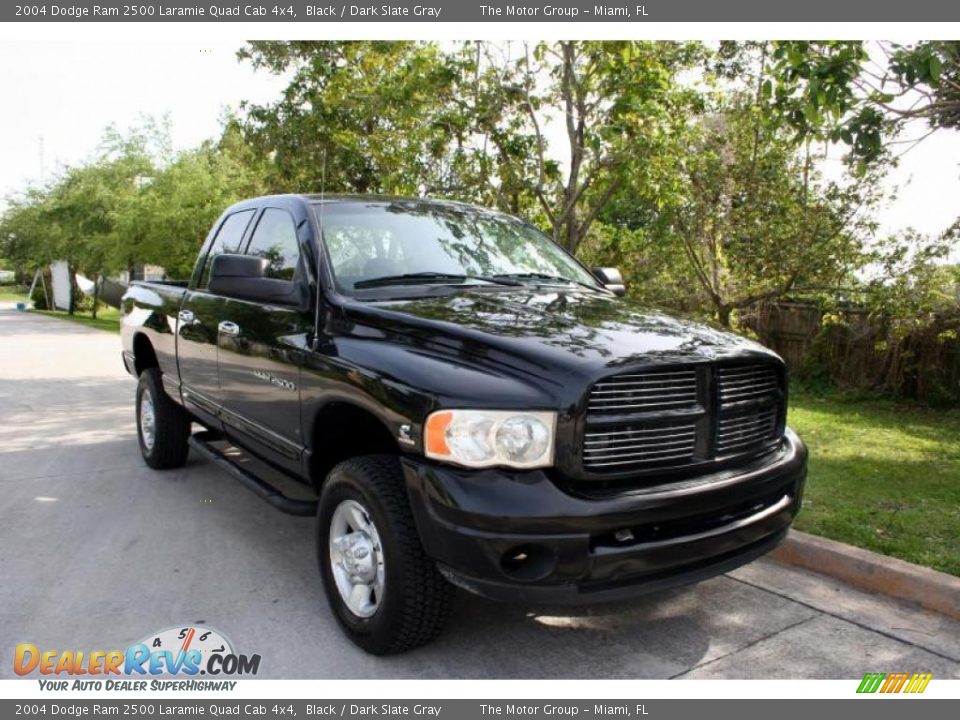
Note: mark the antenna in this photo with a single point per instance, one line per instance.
(323, 185)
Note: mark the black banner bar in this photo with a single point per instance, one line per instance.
(644, 11)
(366, 709)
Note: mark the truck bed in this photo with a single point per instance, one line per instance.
(151, 309)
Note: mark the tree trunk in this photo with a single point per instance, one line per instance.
(96, 295)
(723, 315)
(574, 120)
(571, 234)
(74, 289)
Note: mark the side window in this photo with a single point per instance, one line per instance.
(276, 240)
(227, 241)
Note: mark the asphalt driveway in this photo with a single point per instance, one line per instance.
(97, 551)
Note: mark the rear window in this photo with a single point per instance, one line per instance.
(276, 240)
(227, 241)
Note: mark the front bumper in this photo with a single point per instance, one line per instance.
(518, 536)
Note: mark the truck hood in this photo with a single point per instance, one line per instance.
(555, 328)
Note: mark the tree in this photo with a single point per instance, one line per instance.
(368, 113)
(134, 202)
(473, 121)
(23, 241)
(754, 222)
(620, 103)
(747, 219)
(173, 213)
(833, 90)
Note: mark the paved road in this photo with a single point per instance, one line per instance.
(97, 551)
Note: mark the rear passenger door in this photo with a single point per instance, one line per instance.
(197, 326)
(261, 350)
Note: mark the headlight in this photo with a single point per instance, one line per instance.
(483, 438)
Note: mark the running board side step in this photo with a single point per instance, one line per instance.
(201, 442)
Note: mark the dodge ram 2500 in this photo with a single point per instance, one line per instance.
(460, 402)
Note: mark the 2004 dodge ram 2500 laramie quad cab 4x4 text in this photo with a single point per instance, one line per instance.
(464, 404)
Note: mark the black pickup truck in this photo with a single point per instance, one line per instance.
(460, 402)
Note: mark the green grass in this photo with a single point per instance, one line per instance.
(9, 293)
(883, 475)
(108, 318)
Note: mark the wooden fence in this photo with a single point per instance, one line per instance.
(854, 349)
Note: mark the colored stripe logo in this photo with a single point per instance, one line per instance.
(894, 682)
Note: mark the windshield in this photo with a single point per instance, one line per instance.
(384, 244)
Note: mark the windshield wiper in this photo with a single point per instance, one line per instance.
(421, 277)
(547, 277)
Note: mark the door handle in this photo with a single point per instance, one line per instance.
(229, 328)
(186, 316)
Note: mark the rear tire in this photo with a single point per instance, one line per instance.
(366, 534)
(162, 426)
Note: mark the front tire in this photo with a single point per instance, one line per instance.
(162, 426)
(385, 591)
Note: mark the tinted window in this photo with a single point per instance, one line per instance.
(227, 240)
(276, 240)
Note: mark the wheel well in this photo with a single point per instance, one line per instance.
(342, 431)
(143, 354)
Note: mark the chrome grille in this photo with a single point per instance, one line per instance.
(675, 418)
(740, 429)
(656, 390)
(640, 445)
(747, 382)
(738, 432)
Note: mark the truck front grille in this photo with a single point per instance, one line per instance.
(736, 432)
(750, 407)
(660, 389)
(640, 445)
(679, 417)
(747, 382)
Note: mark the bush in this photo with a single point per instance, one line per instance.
(38, 298)
(82, 302)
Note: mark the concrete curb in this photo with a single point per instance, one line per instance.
(869, 571)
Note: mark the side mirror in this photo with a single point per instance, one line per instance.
(243, 277)
(611, 279)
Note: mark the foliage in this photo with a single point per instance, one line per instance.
(832, 89)
(405, 117)
(754, 221)
(748, 220)
(135, 202)
(622, 105)
(911, 278)
(373, 116)
(910, 334)
(176, 210)
(895, 333)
